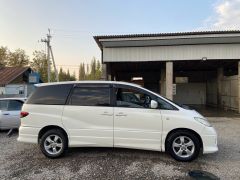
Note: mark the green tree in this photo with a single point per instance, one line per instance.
(95, 70)
(93, 66)
(82, 74)
(18, 58)
(73, 76)
(98, 70)
(40, 65)
(61, 75)
(3, 56)
(66, 76)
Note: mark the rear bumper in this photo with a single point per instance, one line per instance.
(209, 139)
(28, 134)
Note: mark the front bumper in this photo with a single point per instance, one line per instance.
(209, 139)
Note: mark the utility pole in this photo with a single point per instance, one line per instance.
(50, 54)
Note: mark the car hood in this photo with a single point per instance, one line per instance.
(192, 112)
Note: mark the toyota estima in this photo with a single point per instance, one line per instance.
(112, 114)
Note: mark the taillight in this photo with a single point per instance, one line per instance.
(23, 114)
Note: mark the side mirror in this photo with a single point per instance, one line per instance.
(153, 104)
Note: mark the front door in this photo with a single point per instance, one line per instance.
(88, 116)
(136, 125)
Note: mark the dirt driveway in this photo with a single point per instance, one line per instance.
(25, 161)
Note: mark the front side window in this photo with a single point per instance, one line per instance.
(132, 98)
(165, 105)
(90, 96)
(15, 105)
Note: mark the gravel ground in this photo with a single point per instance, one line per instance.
(25, 161)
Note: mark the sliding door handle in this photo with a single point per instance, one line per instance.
(106, 114)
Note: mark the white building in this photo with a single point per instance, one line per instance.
(198, 68)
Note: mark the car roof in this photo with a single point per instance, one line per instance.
(14, 98)
(88, 82)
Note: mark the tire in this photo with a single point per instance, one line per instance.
(53, 143)
(183, 146)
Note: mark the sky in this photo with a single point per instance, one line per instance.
(73, 23)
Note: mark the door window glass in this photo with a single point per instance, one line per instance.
(165, 105)
(15, 105)
(132, 98)
(90, 96)
(3, 105)
(50, 95)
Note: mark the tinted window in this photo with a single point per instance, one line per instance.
(132, 98)
(50, 95)
(90, 96)
(3, 105)
(165, 105)
(15, 105)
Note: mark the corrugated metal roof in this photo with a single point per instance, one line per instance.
(97, 38)
(8, 74)
(166, 34)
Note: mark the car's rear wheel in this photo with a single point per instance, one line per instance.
(183, 146)
(53, 143)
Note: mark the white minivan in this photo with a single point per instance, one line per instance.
(112, 114)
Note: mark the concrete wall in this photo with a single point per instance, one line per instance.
(228, 93)
(190, 93)
(17, 89)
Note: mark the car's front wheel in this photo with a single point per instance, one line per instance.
(53, 143)
(183, 146)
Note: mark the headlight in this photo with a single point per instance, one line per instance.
(202, 121)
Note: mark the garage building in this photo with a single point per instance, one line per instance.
(195, 68)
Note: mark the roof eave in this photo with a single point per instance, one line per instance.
(98, 38)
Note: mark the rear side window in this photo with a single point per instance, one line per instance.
(90, 96)
(50, 95)
(3, 105)
(15, 105)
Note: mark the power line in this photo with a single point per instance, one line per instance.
(93, 32)
(72, 65)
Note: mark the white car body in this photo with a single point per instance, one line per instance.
(10, 118)
(137, 128)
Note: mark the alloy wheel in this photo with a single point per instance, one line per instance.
(53, 144)
(183, 146)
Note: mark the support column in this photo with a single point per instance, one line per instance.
(169, 80)
(104, 72)
(109, 72)
(219, 86)
(163, 83)
(238, 86)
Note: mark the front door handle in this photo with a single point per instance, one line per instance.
(5, 114)
(121, 114)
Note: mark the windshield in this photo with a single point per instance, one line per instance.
(181, 105)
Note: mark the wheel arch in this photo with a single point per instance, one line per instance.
(182, 129)
(47, 128)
